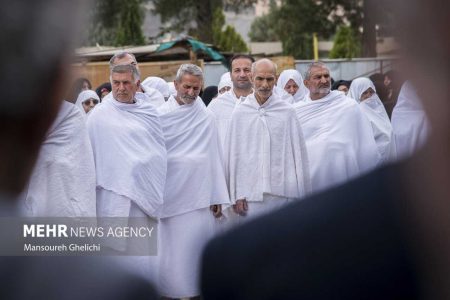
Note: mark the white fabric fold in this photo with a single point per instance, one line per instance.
(222, 107)
(374, 110)
(63, 180)
(151, 96)
(195, 174)
(289, 74)
(225, 80)
(339, 140)
(129, 151)
(156, 83)
(409, 122)
(265, 152)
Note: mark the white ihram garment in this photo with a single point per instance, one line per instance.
(195, 180)
(265, 153)
(339, 140)
(409, 122)
(63, 180)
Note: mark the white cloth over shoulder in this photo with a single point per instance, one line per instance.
(151, 96)
(222, 107)
(195, 174)
(63, 180)
(265, 152)
(409, 122)
(129, 151)
(287, 75)
(374, 110)
(339, 140)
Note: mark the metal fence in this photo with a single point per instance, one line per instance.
(339, 68)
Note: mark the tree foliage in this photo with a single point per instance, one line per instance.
(228, 39)
(346, 44)
(194, 16)
(295, 21)
(115, 23)
(263, 29)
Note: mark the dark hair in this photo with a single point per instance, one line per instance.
(78, 84)
(376, 77)
(244, 56)
(338, 83)
(76, 89)
(103, 86)
(209, 93)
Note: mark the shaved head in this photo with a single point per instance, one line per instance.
(264, 62)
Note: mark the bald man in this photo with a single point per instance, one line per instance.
(267, 164)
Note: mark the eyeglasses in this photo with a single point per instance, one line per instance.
(88, 101)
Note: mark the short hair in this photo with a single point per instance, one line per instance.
(189, 69)
(120, 55)
(126, 69)
(266, 60)
(240, 56)
(40, 36)
(316, 64)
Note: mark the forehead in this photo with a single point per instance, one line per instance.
(241, 63)
(291, 82)
(188, 79)
(127, 76)
(126, 60)
(264, 69)
(319, 71)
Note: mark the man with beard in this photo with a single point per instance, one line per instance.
(195, 184)
(265, 150)
(338, 136)
(222, 107)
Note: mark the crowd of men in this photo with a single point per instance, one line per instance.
(266, 193)
(201, 170)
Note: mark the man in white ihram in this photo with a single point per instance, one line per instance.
(338, 136)
(130, 157)
(265, 151)
(195, 185)
(222, 107)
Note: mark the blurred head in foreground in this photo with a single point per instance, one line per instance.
(40, 37)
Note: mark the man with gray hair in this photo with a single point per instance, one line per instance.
(338, 136)
(195, 185)
(40, 37)
(149, 94)
(130, 156)
(265, 151)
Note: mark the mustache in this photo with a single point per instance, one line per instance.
(189, 97)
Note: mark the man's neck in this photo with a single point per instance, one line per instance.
(260, 99)
(241, 93)
(179, 101)
(132, 101)
(318, 96)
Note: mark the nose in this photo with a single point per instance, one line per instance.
(191, 92)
